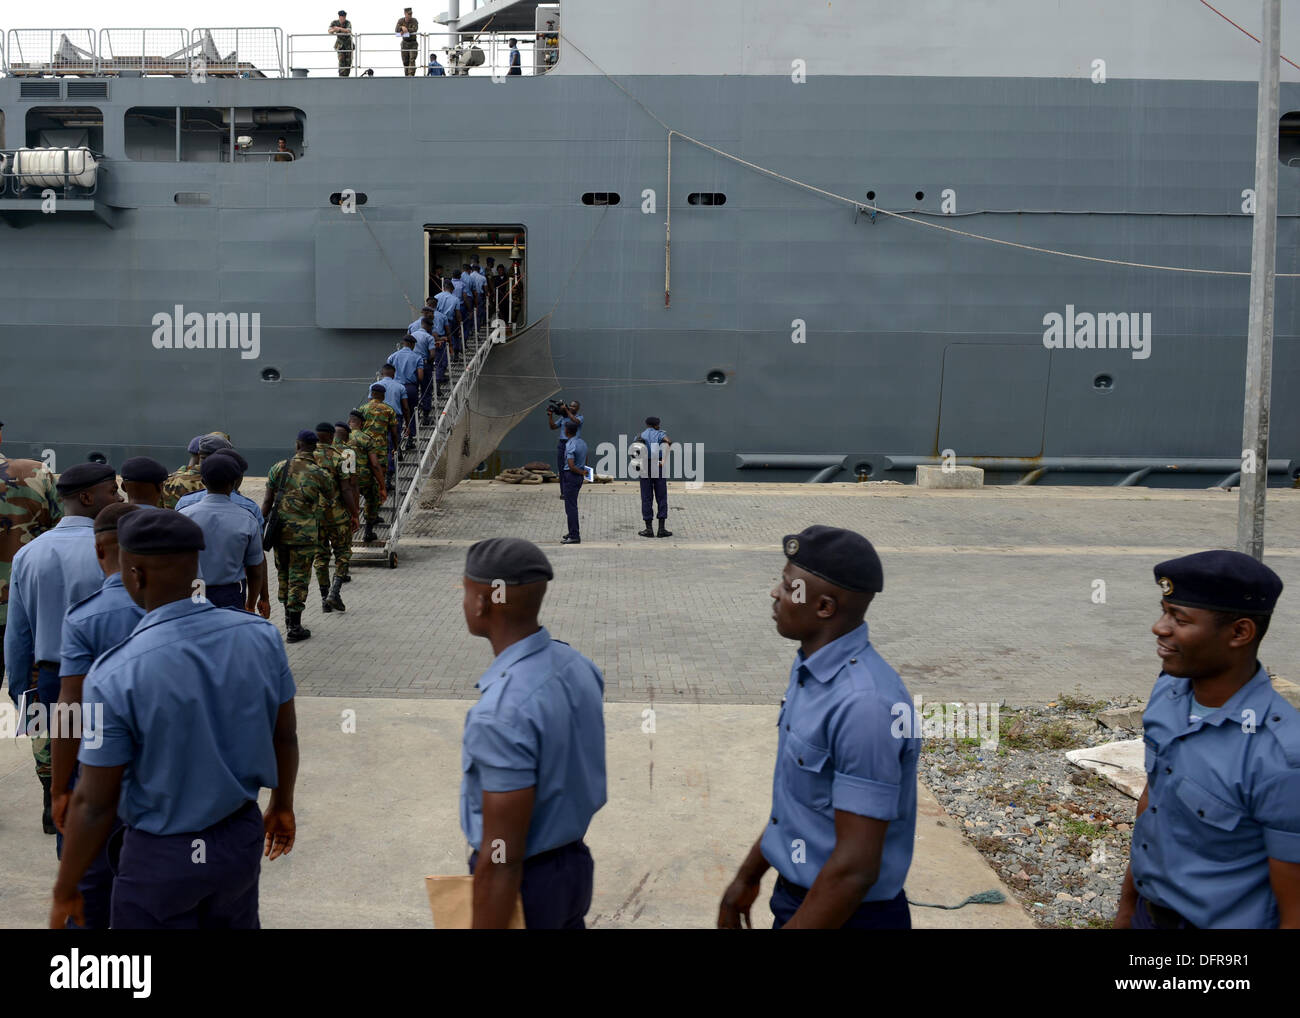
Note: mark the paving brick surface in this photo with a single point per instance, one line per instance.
(989, 595)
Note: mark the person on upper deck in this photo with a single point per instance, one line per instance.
(408, 28)
(341, 28)
(435, 69)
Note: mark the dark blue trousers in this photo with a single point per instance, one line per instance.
(412, 398)
(440, 362)
(570, 485)
(559, 453)
(1142, 919)
(426, 390)
(870, 915)
(654, 489)
(161, 886)
(556, 887)
(226, 595)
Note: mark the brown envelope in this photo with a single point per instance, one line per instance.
(452, 901)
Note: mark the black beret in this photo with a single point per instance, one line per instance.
(309, 437)
(110, 515)
(84, 475)
(340, 424)
(193, 447)
(1221, 581)
(220, 470)
(159, 532)
(379, 386)
(232, 455)
(325, 426)
(212, 443)
(509, 559)
(145, 470)
(838, 556)
(357, 414)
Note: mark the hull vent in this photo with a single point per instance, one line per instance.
(39, 89)
(87, 89)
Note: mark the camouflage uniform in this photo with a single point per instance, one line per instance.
(180, 483)
(29, 506)
(410, 45)
(367, 482)
(300, 511)
(381, 421)
(336, 521)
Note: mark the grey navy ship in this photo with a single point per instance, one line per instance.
(766, 223)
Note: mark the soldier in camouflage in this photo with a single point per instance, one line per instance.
(301, 508)
(188, 479)
(29, 506)
(339, 520)
(381, 425)
(370, 471)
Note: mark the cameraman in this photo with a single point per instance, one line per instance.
(565, 414)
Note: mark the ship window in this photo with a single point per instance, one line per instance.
(65, 127)
(601, 198)
(1288, 139)
(360, 197)
(192, 198)
(707, 198)
(204, 137)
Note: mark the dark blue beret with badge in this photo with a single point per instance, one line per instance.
(512, 560)
(159, 532)
(220, 469)
(84, 475)
(144, 469)
(1219, 581)
(838, 556)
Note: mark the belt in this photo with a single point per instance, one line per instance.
(1165, 918)
(794, 889)
(47, 664)
(540, 857)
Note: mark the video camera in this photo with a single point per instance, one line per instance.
(556, 406)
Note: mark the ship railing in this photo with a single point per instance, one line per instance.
(380, 52)
(237, 52)
(14, 184)
(163, 51)
(459, 54)
(41, 52)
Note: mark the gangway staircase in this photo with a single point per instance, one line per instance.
(416, 467)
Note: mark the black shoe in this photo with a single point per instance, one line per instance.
(662, 531)
(295, 631)
(571, 540)
(347, 579)
(47, 809)
(647, 532)
(370, 534)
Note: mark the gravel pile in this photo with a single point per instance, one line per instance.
(1058, 836)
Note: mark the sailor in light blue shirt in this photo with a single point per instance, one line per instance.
(91, 627)
(843, 812)
(407, 362)
(572, 475)
(394, 391)
(233, 551)
(243, 501)
(533, 754)
(1216, 844)
(52, 573)
(197, 717)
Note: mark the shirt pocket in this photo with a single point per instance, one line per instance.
(807, 772)
(1206, 824)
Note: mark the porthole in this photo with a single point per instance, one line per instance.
(920, 196)
(601, 198)
(355, 197)
(1103, 383)
(192, 198)
(871, 196)
(97, 457)
(716, 377)
(863, 468)
(270, 375)
(706, 198)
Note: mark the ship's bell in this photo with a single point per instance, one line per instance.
(514, 254)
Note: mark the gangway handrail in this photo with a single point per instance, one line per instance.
(456, 404)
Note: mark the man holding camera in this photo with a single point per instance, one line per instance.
(557, 415)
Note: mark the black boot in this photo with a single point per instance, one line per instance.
(335, 600)
(662, 531)
(325, 605)
(647, 532)
(295, 629)
(370, 534)
(47, 810)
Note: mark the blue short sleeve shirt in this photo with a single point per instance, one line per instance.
(1223, 797)
(839, 748)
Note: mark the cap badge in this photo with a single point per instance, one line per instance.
(1166, 585)
(792, 547)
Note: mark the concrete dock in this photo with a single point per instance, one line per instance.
(990, 595)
